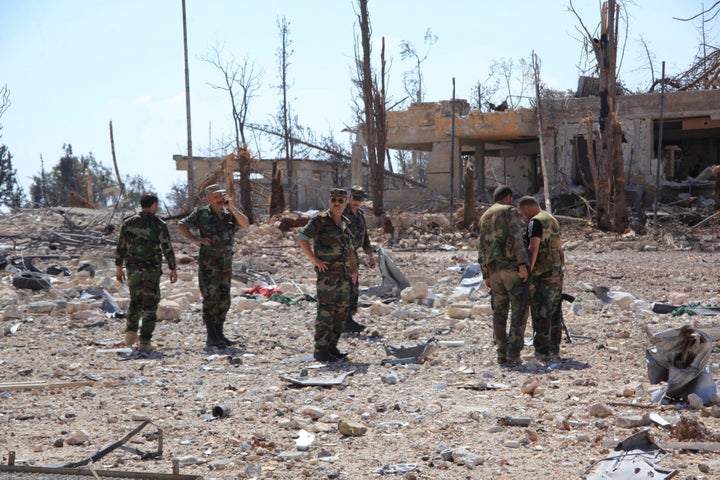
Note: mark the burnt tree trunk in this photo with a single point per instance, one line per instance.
(277, 195)
(374, 112)
(469, 211)
(610, 182)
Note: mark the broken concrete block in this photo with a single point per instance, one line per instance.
(600, 411)
(76, 305)
(168, 310)
(41, 307)
(479, 309)
(380, 309)
(351, 429)
(244, 303)
(633, 421)
(312, 412)
(677, 298)
(460, 310)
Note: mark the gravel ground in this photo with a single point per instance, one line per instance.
(414, 414)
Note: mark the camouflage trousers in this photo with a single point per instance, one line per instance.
(508, 343)
(214, 276)
(354, 291)
(144, 287)
(546, 312)
(333, 301)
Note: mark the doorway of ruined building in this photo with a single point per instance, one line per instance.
(689, 147)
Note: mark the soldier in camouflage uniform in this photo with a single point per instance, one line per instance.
(216, 224)
(142, 242)
(356, 221)
(334, 261)
(546, 275)
(503, 259)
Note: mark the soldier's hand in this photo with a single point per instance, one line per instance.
(523, 272)
(321, 266)
(120, 275)
(173, 276)
(487, 282)
(371, 262)
(203, 241)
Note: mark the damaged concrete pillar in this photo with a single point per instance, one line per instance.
(438, 170)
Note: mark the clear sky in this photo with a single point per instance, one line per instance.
(74, 65)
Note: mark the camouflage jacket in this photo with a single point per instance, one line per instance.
(358, 229)
(143, 241)
(219, 229)
(501, 242)
(550, 253)
(331, 243)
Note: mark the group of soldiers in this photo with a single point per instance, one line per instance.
(337, 234)
(522, 269)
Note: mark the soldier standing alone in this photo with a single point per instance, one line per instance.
(142, 242)
(503, 259)
(546, 274)
(216, 224)
(334, 261)
(356, 220)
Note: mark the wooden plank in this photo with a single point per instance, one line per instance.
(42, 384)
(699, 446)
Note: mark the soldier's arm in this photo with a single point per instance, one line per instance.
(120, 252)
(168, 252)
(515, 232)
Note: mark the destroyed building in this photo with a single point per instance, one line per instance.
(505, 149)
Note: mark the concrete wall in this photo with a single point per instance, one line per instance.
(314, 178)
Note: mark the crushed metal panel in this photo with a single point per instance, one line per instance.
(416, 354)
(634, 457)
(680, 357)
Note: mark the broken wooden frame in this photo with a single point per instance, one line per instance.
(70, 468)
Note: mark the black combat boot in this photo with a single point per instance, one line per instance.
(213, 336)
(225, 339)
(351, 326)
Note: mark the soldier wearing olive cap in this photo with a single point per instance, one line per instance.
(215, 224)
(336, 268)
(356, 220)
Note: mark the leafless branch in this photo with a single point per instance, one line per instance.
(716, 4)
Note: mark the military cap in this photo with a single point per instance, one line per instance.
(338, 192)
(357, 193)
(214, 188)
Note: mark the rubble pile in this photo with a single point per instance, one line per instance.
(420, 395)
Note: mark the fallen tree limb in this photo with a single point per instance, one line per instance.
(105, 450)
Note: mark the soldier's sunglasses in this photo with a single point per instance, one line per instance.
(337, 200)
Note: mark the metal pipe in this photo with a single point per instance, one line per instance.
(452, 153)
(659, 144)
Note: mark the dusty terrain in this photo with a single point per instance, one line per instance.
(415, 414)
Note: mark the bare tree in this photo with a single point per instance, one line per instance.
(413, 79)
(605, 142)
(4, 99)
(516, 79)
(241, 82)
(374, 108)
(482, 91)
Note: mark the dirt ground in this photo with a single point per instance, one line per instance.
(440, 419)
